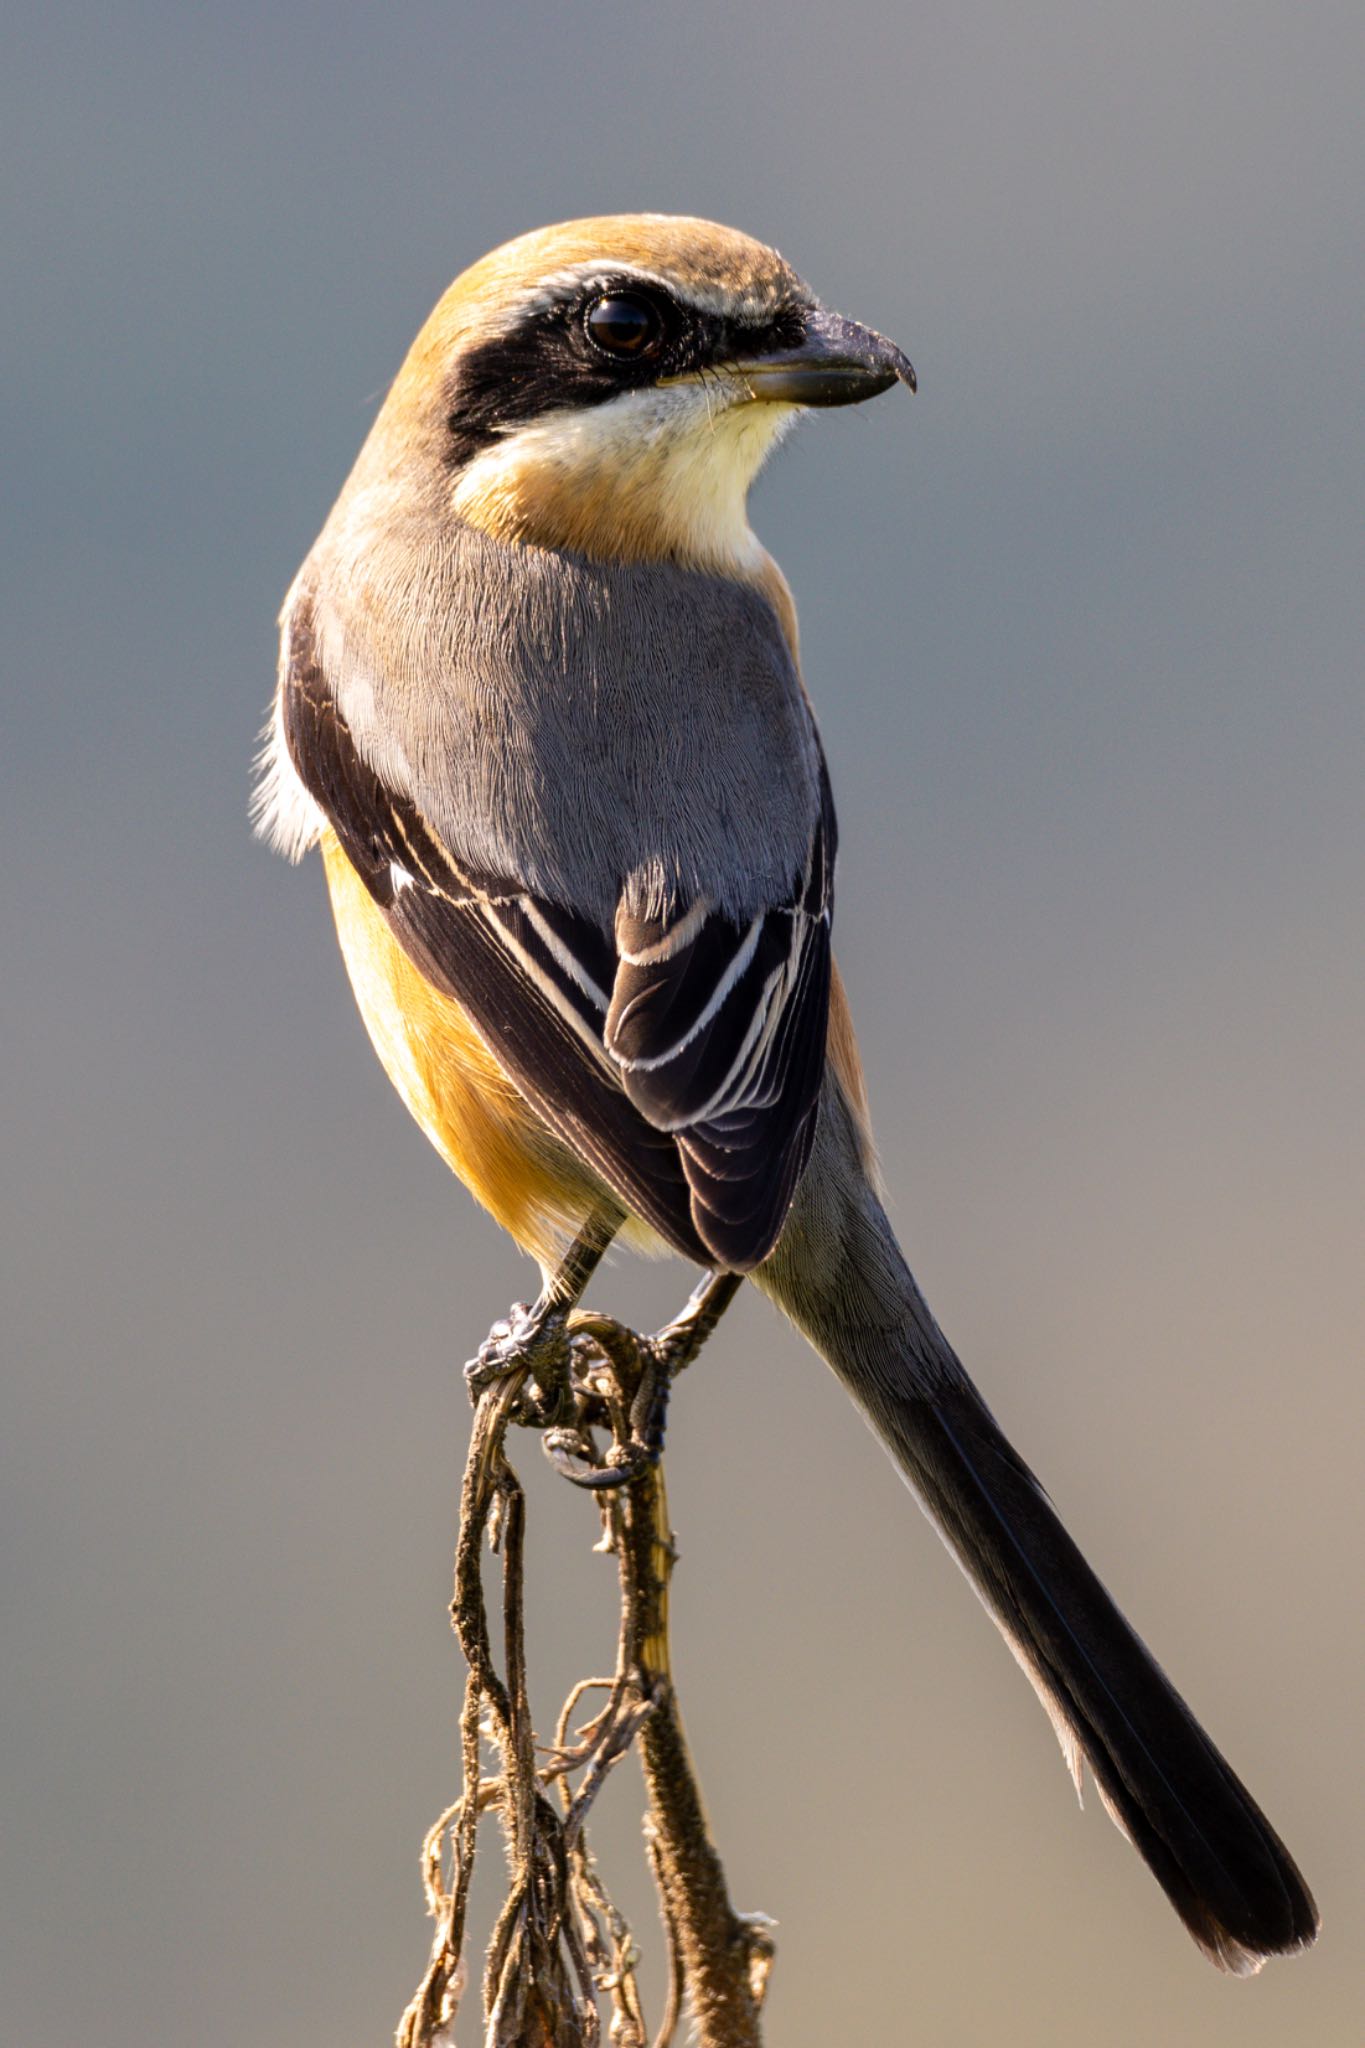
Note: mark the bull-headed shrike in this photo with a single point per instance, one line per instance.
(540, 705)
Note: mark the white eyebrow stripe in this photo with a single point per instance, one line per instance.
(600, 270)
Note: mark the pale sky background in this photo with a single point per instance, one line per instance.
(1084, 625)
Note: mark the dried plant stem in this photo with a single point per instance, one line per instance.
(723, 1958)
(559, 1943)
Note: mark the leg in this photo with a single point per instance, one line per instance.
(532, 1340)
(682, 1339)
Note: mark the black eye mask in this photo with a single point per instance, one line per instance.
(618, 335)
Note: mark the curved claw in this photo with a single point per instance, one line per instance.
(567, 1451)
(636, 1447)
(589, 1369)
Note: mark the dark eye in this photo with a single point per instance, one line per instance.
(625, 326)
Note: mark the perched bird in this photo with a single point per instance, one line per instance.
(540, 705)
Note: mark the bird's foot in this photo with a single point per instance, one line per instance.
(531, 1341)
(623, 1381)
(620, 1382)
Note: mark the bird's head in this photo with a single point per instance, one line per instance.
(612, 387)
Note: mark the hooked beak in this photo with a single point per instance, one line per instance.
(838, 363)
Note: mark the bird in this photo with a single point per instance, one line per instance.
(540, 705)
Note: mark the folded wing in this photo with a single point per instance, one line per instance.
(679, 1055)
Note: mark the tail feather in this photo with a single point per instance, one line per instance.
(1206, 1841)
(840, 1276)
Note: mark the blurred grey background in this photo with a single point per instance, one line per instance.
(1084, 625)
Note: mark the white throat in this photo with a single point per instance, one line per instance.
(655, 473)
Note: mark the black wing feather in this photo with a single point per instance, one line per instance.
(679, 1057)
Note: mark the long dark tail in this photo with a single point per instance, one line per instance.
(840, 1276)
